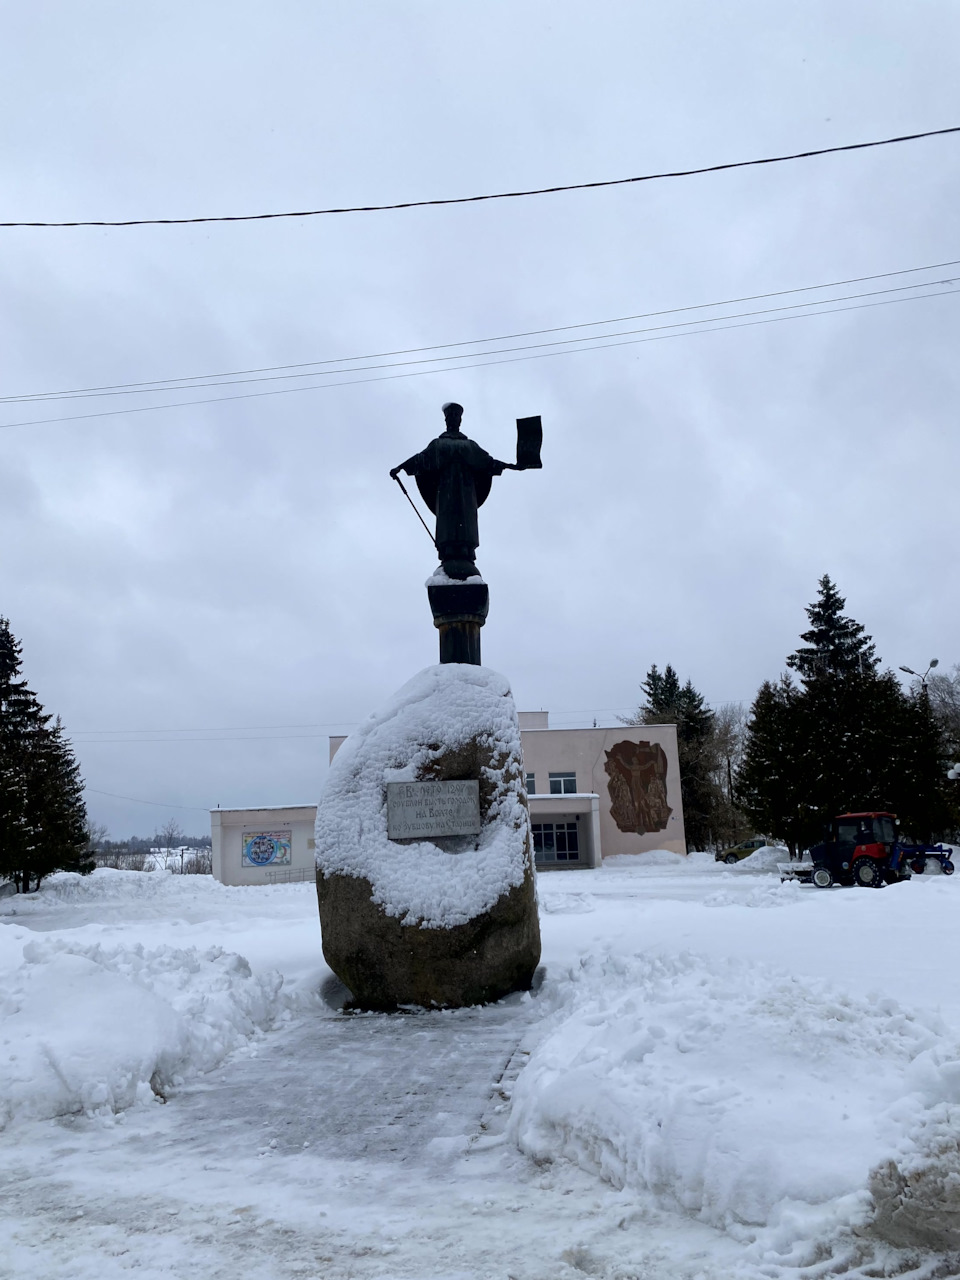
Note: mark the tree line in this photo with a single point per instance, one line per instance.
(833, 734)
(168, 849)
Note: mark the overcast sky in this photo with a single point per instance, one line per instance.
(244, 576)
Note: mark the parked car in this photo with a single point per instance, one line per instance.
(741, 850)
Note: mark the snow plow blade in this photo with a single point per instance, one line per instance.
(801, 871)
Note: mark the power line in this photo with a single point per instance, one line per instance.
(184, 742)
(484, 362)
(563, 342)
(261, 728)
(229, 728)
(161, 385)
(499, 195)
(196, 808)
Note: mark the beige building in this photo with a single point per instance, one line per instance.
(263, 846)
(593, 793)
(605, 791)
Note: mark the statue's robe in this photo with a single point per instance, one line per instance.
(453, 475)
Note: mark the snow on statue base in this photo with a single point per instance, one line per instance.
(447, 921)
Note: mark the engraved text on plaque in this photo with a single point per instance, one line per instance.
(421, 810)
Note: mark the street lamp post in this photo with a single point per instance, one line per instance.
(934, 662)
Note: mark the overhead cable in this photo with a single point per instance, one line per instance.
(497, 195)
(484, 362)
(202, 380)
(159, 804)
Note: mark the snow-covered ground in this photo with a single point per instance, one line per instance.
(718, 1076)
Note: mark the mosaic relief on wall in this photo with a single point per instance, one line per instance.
(637, 773)
(266, 849)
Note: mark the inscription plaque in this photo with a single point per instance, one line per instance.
(420, 810)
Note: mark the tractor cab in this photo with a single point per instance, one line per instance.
(856, 849)
(863, 832)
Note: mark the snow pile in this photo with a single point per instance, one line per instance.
(764, 895)
(917, 1191)
(660, 860)
(142, 891)
(739, 1095)
(443, 709)
(107, 884)
(93, 1028)
(766, 858)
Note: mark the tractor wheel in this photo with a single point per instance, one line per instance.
(731, 859)
(866, 873)
(918, 866)
(946, 867)
(822, 878)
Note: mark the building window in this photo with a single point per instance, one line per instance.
(563, 784)
(556, 842)
(531, 784)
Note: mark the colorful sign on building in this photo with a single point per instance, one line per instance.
(266, 849)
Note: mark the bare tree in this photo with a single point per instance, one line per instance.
(944, 693)
(169, 838)
(724, 750)
(200, 862)
(97, 833)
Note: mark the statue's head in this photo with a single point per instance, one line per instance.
(452, 414)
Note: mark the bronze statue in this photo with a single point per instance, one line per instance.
(454, 475)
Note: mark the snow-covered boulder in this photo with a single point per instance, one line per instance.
(446, 921)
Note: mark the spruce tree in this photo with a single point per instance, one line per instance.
(42, 814)
(769, 788)
(57, 807)
(21, 723)
(852, 741)
(836, 646)
(669, 702)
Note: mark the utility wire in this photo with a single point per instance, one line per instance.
(204, 380)
(229, 728)
(196, 808)
(564, 342)
(484, 362)
(331, 724)
(287, 737)
(498, 195)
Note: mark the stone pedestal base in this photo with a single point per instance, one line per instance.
(459, 611)
(449, 920)
(387, 964)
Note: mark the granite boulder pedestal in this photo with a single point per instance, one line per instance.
(442, 919)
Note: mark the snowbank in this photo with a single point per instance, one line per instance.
(95, 1028)
(655, 858)
(740, 1095)
(660, 860)
(765, 858)
(764, 895)
(143, 891)
(443, 709)
(107, 884)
